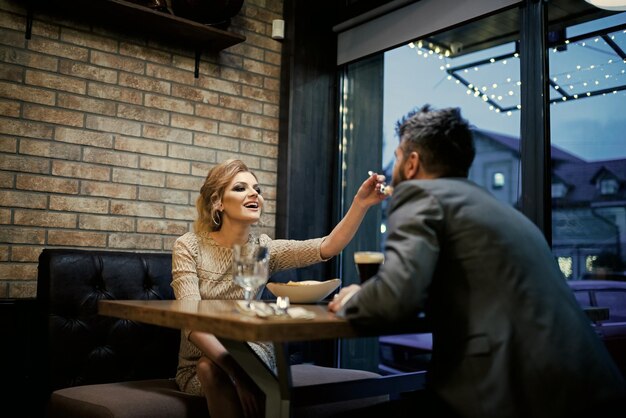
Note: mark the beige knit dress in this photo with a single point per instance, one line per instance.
(201, 269)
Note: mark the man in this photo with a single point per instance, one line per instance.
(509, 339)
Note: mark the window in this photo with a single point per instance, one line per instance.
(588, 91)
(558, 190)
(608, 186)
(378, 90)
(457, 68)
(497, 180)
(487, 90)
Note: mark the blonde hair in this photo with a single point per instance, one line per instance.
(212, 192)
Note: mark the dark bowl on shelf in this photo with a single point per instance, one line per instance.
(210, 12)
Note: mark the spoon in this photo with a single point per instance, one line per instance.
(383, 188)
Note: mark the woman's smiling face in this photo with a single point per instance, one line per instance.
(242, 201)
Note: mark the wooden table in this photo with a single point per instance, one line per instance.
(222, 319)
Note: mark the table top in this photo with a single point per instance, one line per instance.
(223, 319)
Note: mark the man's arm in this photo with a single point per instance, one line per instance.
(399, 289)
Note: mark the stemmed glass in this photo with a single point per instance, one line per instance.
(250, 269)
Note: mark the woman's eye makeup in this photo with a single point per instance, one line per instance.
(242, 188)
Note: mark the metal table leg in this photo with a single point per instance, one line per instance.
(277, 389)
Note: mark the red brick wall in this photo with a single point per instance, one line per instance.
(105, 137)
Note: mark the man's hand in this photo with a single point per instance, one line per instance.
(342, 297)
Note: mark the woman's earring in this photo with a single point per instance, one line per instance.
(217, 220)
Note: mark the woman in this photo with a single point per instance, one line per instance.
(230, 202)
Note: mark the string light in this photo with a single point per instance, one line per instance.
(606, 72)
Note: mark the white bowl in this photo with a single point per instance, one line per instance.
(307, 291)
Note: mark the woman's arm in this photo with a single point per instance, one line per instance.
(185, 282)
(367, 196)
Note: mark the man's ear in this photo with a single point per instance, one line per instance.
(411, 165)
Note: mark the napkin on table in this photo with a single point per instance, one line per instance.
(265, 310)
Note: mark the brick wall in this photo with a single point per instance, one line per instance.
(105, 137)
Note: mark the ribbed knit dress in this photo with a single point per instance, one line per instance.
(202, 269)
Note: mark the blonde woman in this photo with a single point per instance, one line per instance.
(230, 202)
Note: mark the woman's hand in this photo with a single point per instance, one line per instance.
(342, 297)
(369, 193)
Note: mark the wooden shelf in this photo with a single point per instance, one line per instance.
(142, 20)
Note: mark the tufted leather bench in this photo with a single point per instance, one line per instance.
(102, 366)
(98, 366)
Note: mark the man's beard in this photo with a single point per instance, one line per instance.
(398, 176)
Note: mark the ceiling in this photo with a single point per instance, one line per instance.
(503, 27)
(490, 31)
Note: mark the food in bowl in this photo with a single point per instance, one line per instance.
(303, 283)
(386, 189)
(305, 291)
(383, 188)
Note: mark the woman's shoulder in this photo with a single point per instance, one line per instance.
(187, 241)
(195, 240)
(188, 237)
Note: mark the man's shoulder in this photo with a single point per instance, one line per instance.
(438, 185)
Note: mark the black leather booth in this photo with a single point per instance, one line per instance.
(86, 349)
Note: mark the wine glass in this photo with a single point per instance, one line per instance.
(250, 269)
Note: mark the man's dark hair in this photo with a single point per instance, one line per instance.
(442, 138)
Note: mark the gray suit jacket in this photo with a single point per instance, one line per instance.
(509, 339)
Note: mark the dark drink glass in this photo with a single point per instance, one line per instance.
(367, 263)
